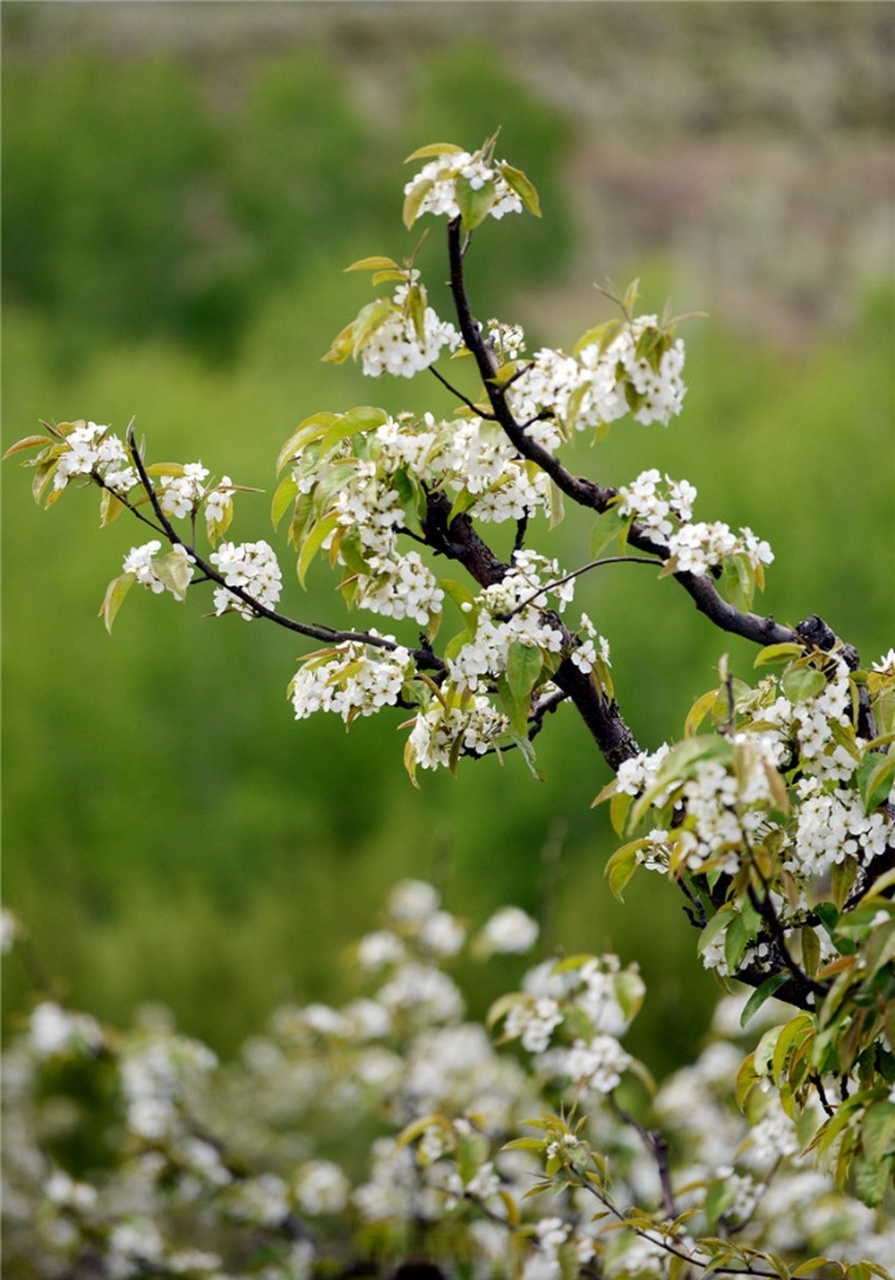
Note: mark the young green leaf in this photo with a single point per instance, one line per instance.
(523, 187)
(114, 598)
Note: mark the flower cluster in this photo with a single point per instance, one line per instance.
(696, 548)
(93, 450)
(184, 491)
(507, 341)
(251, 566)
(658, 508)
(399, 586)
(403, 347)
(352, 679)
(341, 1128)
(506, 614)
(158, 572)
(781, 801)
(635, 367)
(452, 724)
(667, 509)
(448, 184)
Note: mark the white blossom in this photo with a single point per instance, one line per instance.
(321, 1187)
(510, 931)
(436, 184)
(533, 1022)
(251, 566)
(142, 563)
(412, 901)
(53, 1030)
(395, 346)
(475, 725)
(351, 680)
(378, 949)
(180, 495)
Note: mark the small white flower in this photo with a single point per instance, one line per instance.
(321, 1187)
(510, 931)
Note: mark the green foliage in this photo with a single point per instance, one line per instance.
(139, 205)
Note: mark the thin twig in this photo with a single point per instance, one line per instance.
(657, 1146)
(558, 582)
(425, 659)
(470, 404)
(703, 1263)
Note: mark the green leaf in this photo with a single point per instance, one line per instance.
(506, 373)
(747, 1079)
(175, 571)
(810, 950)
(416, 309)
(310, 429)
(352, 551)
(301, 517)
(433, 150)
(683, 758)
(739, 581)
(285, 493)
(472, 1151)
(778, 653)
(355, 422)
(608, 527)
(110, 508)
(698, 712)
(524, 663)
(463, 502)
(619, 808)
(375, 263)
(114, 597)
(556, 506)
(622, 865)
(370, 318)
(762, 993)
(872, 1180)
(875, 774)
(461, 595)
(474, 202)
(414, 199)
(341, 346)
(312, 543)
(516, 179)
(800, 683)
(720, 1196)
(737, 938)
(604, 334)
(517, 709)
(41, 478)
(878, 1130)
(27, 442)
(842, 877)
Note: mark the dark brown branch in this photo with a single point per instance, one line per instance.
(585, 492)
(458, 539)
(765, 909)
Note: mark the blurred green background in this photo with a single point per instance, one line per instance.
(183, 185)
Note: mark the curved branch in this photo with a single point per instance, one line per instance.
(425, 659)
(584, 492)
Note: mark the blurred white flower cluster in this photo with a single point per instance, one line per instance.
(341, 1128)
